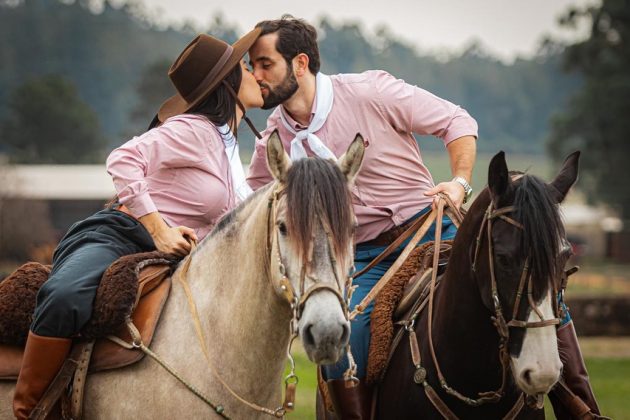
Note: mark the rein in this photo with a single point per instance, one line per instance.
(498, 320)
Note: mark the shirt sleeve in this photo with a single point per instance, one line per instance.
(409, 108)
(178, 143)
(258, 174)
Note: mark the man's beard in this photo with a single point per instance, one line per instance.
(284, 91)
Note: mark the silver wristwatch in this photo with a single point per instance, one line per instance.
(467, 188)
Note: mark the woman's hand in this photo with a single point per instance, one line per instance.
(176, 240)
(171, 240)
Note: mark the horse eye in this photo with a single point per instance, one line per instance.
(282, 227)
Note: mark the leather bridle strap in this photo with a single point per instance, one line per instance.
(420, 375)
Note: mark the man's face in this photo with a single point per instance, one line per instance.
(273, 74)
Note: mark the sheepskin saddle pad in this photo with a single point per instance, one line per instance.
(404, 292)
(133, 287)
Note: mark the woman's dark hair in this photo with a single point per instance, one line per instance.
(295, 36)
(220, 106)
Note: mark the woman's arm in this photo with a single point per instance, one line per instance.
(173, 240)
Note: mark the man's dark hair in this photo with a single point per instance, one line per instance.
(295, 36)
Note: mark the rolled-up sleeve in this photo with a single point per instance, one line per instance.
(409, 108)
(175, 144)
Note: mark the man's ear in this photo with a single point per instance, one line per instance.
(300, 64)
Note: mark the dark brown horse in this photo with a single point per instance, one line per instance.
(494, 313)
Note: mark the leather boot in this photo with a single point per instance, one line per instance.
(350, 402)
(572, 397)
(43, 357)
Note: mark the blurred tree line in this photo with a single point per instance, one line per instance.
(597, 119)
(116, 61)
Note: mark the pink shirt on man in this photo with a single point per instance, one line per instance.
(389, 187)
(179, 169)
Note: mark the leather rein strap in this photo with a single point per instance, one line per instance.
(420, 227)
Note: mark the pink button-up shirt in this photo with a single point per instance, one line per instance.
(179, 169)
(385, 110)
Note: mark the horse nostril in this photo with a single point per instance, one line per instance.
(345, 333)
(527, 376)
(309, 339)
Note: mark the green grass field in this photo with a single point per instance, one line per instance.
(610, 378)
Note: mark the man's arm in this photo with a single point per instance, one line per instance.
(462, 153)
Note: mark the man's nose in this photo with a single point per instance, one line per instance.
(257, 75)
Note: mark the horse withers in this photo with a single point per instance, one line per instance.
(274, 267)
(488, 349)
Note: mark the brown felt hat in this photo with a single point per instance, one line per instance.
(200, 68)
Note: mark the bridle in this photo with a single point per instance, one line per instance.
(498, 319)
(525, 279)
(295, 300)
(298, 301)
(420, 376)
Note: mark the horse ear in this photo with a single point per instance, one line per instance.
(567, 176)
(350, 162)
(498, 177)
(277, 159)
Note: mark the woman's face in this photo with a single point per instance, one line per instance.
(249, 92)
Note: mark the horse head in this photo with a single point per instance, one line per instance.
(311, 227)
(522, 249)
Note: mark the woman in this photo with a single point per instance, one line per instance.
(174, 182)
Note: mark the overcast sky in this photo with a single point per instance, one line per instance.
(506, 27)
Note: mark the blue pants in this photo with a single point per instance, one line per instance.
(360, 326)
(64, 302)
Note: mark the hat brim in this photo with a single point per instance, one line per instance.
(176, 104)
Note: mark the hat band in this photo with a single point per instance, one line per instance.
(201, 87)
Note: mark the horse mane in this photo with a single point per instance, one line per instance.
(317, 191)
(538, 211)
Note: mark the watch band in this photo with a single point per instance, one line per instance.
(467, 188)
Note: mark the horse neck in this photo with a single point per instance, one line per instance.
(460, 320)
(245, 322)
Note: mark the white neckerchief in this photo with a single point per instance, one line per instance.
(241, 188)
(325, 95)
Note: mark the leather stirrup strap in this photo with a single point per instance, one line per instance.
(58, 386)
(78, 384)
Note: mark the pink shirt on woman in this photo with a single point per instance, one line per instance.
(179, 169)
(385, 110)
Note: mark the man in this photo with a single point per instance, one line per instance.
(393, 187)
(320, 115)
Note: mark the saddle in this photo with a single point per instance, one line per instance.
(404, 293)
(134, 287)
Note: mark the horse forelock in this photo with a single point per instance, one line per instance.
(317, 191)
(538, 212)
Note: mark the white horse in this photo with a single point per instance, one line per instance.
(281, 258)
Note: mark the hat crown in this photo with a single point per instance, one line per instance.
(205, 55)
